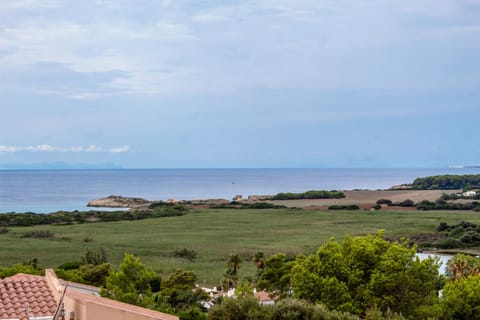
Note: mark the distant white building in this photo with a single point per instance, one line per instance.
(469, 194)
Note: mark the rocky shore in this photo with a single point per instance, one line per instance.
(119, 202)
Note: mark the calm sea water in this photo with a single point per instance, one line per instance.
(52, 190)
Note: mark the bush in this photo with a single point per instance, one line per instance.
(407, 203)
(186, 254)
(344, 207)
(94, 257)
(240, 308)
(71, 265)
(384, 201)
(40, 234)
(261, 205)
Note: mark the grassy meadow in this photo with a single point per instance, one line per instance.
(215, 234)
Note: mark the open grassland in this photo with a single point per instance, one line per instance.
(215, 234)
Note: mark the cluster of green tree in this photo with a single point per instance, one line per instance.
(92, 268)
(312, 194)
(441, 204)
(65, 217)
(344, 207)
(359, 275)
(138, 284)
(364, 277)
(248, 308)
(461, 235)
(243, 205)
(407, 287)
(447, 182)
(460, 296)
(28, 267)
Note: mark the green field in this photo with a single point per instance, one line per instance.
(215, 234)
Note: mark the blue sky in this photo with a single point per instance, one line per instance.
(268, 83)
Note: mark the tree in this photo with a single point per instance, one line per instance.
(462, 266)
(231, 274)
(242, 308)
(131, 283)
(234, 262)
(461, 299)
(178, 290)
(276, 275)
(363, 272)
(259, 261)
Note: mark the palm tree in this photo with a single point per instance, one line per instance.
(259, 260)
(462, 266)
(234, 262)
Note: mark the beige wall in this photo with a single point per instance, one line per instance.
(88, 306)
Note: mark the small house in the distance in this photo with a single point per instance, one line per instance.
(469, 194)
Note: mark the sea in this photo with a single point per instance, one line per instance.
(43, 191)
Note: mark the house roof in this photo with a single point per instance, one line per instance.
(84, 298)
(23, 296)
(263, 296)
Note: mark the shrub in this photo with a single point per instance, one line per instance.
(94, 257)
(40, 234)
(344, 207)
(407, 203)
(384, 201)
(186, 254)
(71, 265)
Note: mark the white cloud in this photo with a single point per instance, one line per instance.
(327, 44)
(120, 149)
(49, 148)
(8, 149)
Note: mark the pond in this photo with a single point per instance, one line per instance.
(443, 260)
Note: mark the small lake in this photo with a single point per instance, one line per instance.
(443, 260)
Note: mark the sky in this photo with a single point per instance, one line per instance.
(232, 84)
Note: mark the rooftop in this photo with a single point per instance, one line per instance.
(24, 296)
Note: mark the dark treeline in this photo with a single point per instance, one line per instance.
(443, 205)
(312, 194)
(447, 182)
(66, 217)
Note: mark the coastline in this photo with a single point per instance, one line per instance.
(46, 191)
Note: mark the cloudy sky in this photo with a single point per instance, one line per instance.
(266, 83)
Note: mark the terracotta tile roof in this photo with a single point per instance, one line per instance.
(24, 295)
(263, 296)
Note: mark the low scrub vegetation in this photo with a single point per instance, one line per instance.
(344, 207)
(40, 234)
(186, 254)
(443, 205)
(312, 194)
(65, 217)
